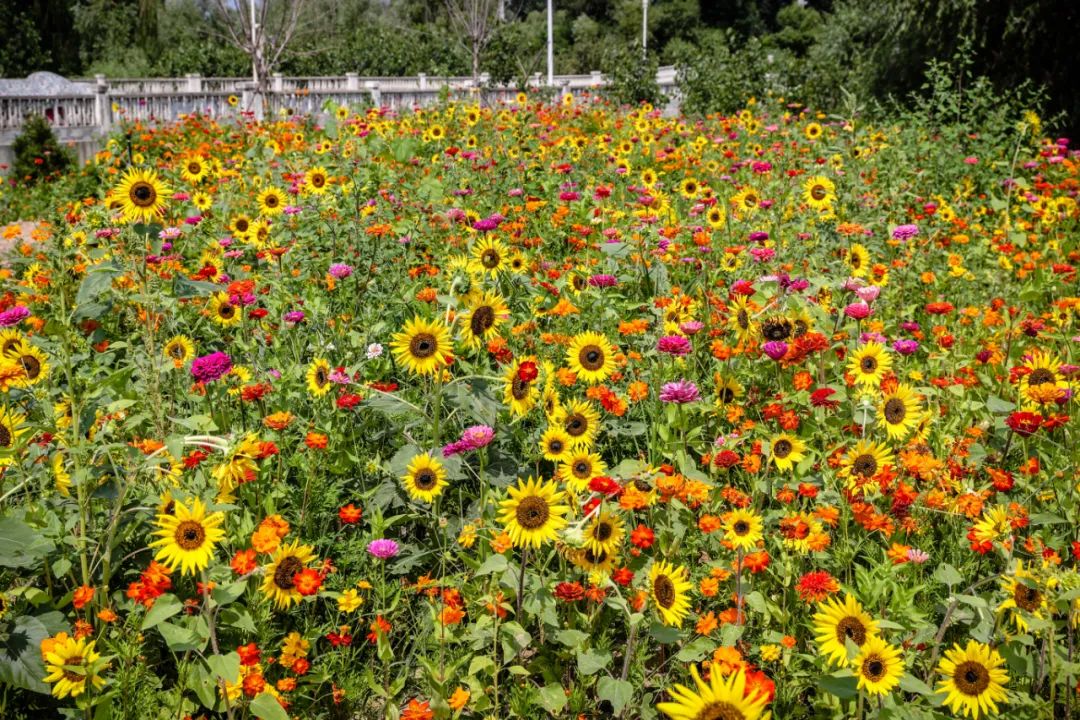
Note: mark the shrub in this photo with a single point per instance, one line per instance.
(38, 154)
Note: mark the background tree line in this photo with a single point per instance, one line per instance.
(814, 51)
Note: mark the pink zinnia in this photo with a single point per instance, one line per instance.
(211, 367)
(857, 310)
(383, 549)
(679, 392)
(674, 345)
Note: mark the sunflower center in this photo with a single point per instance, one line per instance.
(1027, 598)
(425, 479)
(490, 258)
(194, 168)
(782, 448)
(1040, 376)
(595, 558)
(5, 436)
(242, 225)
(579, 282)
(318, 180)
(971, 678)
(320, 377)
(271, 201)
(31, 365)
(776, 330)
(226, 310)
(603, 531)
(727, 395)
(591, 357)
(519, 388)
(720, 711)
(532, 512)
(423, 345)
(800, 328)
(851, 628)
(741, 527)
(582, 469)
(868, 364)
(556, 446)
(176, 351)
(576, 425)
(482, 319)
(286, 569)
(865, 465)
(895, 411)
(70, 675)
(664, 590)
(642, 484)
(856, 261)
(743, 319)
(189, 535)
(873, 669)
(143, 194)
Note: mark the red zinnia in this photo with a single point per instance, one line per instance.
(816, 585)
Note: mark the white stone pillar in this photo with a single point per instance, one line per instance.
(352, 82)
(102, 105)
(194, 82)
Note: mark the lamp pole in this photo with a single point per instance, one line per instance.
(551, 42)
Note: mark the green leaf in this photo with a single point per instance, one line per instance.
(180, 639)
(96, 282)
(912, 684)
(1046, 519)
(164, 608)
(996, 405)
(494, 564)
(571, 638)
(184, 288)
(664, 634)
(264, 706)
(591, 662)
(20, 545)
(617, 692)
(946, 574)
(552, 698)
(239, 618)
(695, 651)
(842, 686)
(21, 665)
(226, 594)
(226, 667)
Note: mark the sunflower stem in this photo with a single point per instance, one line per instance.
(521, 581)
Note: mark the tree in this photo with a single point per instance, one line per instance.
(476, 21)
(276, 25)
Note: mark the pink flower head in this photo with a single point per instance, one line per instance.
(679, 392)
(211, 367)
(868, 293)
(383, 549)
(674, 345)
(857, 310)
(775, 349)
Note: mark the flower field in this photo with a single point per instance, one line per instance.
(546, 410)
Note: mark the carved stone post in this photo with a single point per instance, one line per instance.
(194, 82)
(102, 106)
(376, 94)
(422, 80)
(352, 82)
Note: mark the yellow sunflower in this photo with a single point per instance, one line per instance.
(863, 461)
(581, 467)
(481, 321)
(70, 663)
(858, 260)
(187, 537)
(223, 312)
(717, 219)
(973, 679)
(819, 192)
(742, 529)
(61, 477)
(595, 561)
(878, 666)
(591, 357)
(240, 226)
(11, 429)
(746, 202)
(423, 346)
(179, 349)
(812, 131)
(533, 512)
(1024, 596)
(271, 202)
(722, 698)
(141, 195)
(194, 170)
(491, 254)
(581, 421)
(899, 411)
(837, 622)
(10, 339)
(741, 319)
(34, 362)
(1043, 382)
(278, 584)
(669, 589)
(318, 377)
(604, 534)
(519, 394)
(316, 181)
(869, 364)
(786, 451)
(424, 478)
(555, 444)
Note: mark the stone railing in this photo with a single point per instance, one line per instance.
(82, 112)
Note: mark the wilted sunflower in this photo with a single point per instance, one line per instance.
(11, 428)
(533, 512)
(223, 312)
(742, 529)
(187, 537)
(878, 666)
(424, 478)
(973, 679)
(318, 377)
(423, 346)
(179, 349)
(491, 254)
(278, 584)
(580, 468)
(70, 662)
(555, 444)
(140, 195)
(519, 392)
(858, 260)
(819, 192)
(581, 421)
(869, 364)
(271, 202)
(669, 589)
(604, 534)
(776, 328)
(1024, 596)
(837, 622)
(722, 698)
(786, 451)
(591, 357)
(34, 362)
(482, 319)
(899, 411)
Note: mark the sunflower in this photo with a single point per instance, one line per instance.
(481, 321)
(899, 411)
(61, 477)
(1043, 382)
(869, 364)
(271, 202)
(491, 254)
(10, 430)
(592, 560)
(316, 181)
(722, 698)
(223, 312)
(318, 377)
(10, 339)
(742, 529)
(519, 392)
(194, 170)
(140, 195)
(776, 328)
(533, 512)
(581, 467)
(591, 357)
(862, 462)
(240, 226)
(858, 260)
(549, 396)
(837, 622)
(786, 450)
(604, 534)
(728, 390)
(689, 188)
(202, 201)
(34, 363)
(424, 478)
(741, 319)
(819, 192)
(423, 346)
(878, 666)
(746, 202)
(581, 421)
(555, 444)
(717, 219)
(70, 662)
(278, 584)
(669, 589)
(802, 532)
(812, 131)
(187, 536)
(1024, 596)
(179, 349)
(974, 680)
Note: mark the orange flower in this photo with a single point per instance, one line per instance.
(637, 391)
(278, 421)
(709, 587)
(501, 543)
(417, 710)
(458, 700)
(107, 616)
(316, 441)
(265, 540)
(709, 523)
(82, 596)
(706, 624)
(727, 661)
(802, 380)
